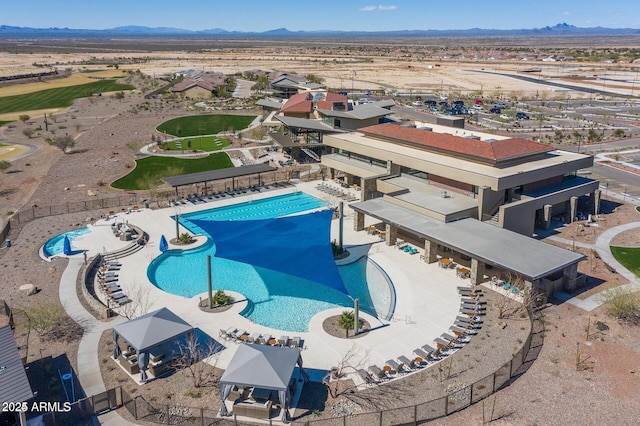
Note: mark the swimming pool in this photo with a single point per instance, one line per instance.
(55, 245)
(275, 299)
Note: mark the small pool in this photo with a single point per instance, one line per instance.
(55, 245)
(275, 299)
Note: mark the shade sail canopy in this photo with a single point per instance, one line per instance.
(152, 329)
(163, 244)
(295, 245)
(262, 366)
(66, 245)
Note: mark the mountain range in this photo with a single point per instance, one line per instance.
(562, 29)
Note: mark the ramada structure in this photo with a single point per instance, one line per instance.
(480, 197)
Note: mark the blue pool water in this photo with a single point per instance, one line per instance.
(275, 299)
(55, 245)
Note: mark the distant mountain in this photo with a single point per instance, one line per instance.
(558, 30)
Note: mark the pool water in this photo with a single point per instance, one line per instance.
(275, 299)
(55, 246)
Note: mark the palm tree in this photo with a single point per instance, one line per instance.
(346, 321)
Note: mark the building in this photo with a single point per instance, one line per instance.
(200, 85)
(14, 383)
(472, 195)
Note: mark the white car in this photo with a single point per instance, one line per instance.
(478, 107)
(505, 117)
(444, 97)
(416, 103)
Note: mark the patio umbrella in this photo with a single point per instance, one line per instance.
(66, 247)
(164, 246)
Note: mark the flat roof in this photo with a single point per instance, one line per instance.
(210, 175)
(360, 112)
(305, 123)
(14, 383)
(490, 244)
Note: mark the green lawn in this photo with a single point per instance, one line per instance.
(201, 143)
(149, 170)
(629, 257)
(58, 98)
(638, 208)
(195, 125)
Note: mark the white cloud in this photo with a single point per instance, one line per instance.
(566, 13)
(372, 8)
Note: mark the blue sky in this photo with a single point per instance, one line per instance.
(261, 15)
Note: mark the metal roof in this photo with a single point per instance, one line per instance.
(152, 329)
(211, 175)
(304, 123)
(269, 103)
(360, 112)
(14, 383)
(490, 244)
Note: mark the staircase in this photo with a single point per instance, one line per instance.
(132, 248)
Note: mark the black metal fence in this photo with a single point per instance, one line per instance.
(82, 411)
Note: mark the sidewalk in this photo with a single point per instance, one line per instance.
(88, 359)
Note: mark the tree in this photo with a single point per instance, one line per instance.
(558, 136)
(313, 78)
(618, 133)
(28, 132)
(199, 361)
(63, 142)
(347, 321)
(593, 136)
(24, 118)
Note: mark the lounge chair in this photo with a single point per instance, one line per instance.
(428, 349)
(295, 342)
(377, 372)
(392, 367)
(366, 377)
(239, 333)
(229, 333)
(457, 330)
(264, 339)
(283, 340)
(406, 364)
(422, 354)
(253, 337)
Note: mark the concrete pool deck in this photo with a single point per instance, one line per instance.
(427, 301)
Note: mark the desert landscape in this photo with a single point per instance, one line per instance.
(586, 370)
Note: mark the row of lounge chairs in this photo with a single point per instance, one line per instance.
(463, 327)
(108, 283)
(335, 191)
(195, 198)
(243, 336)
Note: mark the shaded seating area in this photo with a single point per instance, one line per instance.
(150, 342)
(261, 379)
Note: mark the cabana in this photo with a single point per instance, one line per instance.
(147, 332)
(264, 368)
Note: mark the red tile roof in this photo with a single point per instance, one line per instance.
(300, 102)
(494, 152)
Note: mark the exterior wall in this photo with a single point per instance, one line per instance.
(351, 124)
(451, 182)
(488, 200)
(518, 217)
(542, 183)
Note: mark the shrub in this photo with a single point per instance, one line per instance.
(185, 238)
(622, 304)
(220, 298)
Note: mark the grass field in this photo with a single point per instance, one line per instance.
(200, 143)
(629, 257)
(73, 80)
(195, 125)
(57, 98)
(149, 170)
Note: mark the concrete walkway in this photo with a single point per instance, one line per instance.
(603, 247)
(88, 351)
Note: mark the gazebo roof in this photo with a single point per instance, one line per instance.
(152, 329)
(261, 366)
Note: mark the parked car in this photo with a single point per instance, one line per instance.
(458, 102)
(443, 97)
(501, 105)
(430, 102)
(522, 116)
(416, 103)
(505, 117)
(434, 108)
(495, 110)
(479, 102)
(478, 107)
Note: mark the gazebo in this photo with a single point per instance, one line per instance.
(264, 368)
(147, 332)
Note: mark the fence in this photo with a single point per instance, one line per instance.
(81, 412)
(159, 197)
